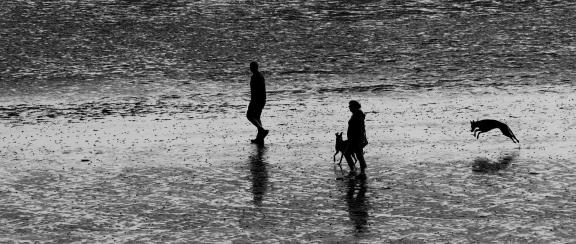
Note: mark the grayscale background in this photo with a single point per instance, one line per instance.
(124, 121)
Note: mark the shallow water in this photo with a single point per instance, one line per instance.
(123, 121)
(65, 51)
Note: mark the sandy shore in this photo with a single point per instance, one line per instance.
(163, 178)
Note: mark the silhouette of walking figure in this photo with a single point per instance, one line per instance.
(356, 137)
(257, 102)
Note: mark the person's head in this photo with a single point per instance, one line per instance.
(254, 67)
(354, 105)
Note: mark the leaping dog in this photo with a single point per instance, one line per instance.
(486, 125)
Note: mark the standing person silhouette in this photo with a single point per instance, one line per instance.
(356, 137)
(257, 102)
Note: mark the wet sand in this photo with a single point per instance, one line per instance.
(181, 177)
(123, 121)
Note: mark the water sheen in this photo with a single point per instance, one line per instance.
(123, 121)
(90, 48)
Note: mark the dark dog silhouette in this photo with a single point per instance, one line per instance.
(486, 125)
(340, 148)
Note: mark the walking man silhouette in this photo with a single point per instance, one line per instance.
(257, 102)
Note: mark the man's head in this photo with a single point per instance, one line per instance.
(254, 67)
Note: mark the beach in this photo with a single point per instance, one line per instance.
(125, 121)
(159, 178)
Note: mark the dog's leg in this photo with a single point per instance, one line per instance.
(478, 135)
(340, 163)
(508, 133)
(352, 155)
(335, 156)
(475, 131)
(513, 136)
(510, 138)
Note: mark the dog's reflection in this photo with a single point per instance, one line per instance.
(258, 173)
(485, 165)
(357, 204)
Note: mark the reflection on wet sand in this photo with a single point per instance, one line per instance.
(259, 174)
(357, 204)
(484, 165)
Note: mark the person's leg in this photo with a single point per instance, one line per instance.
(360, 157)
(261, 131)
(256, 122)
(349, 160)
(253, 115)
(261, 128)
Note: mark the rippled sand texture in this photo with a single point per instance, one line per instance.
(164, 178)
(123, 121)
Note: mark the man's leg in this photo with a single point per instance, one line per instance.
(255, 121)
(261, 131)
(360, 157)
(253, 115)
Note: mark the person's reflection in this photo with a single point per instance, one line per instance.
(357, 204)
(259, 174)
